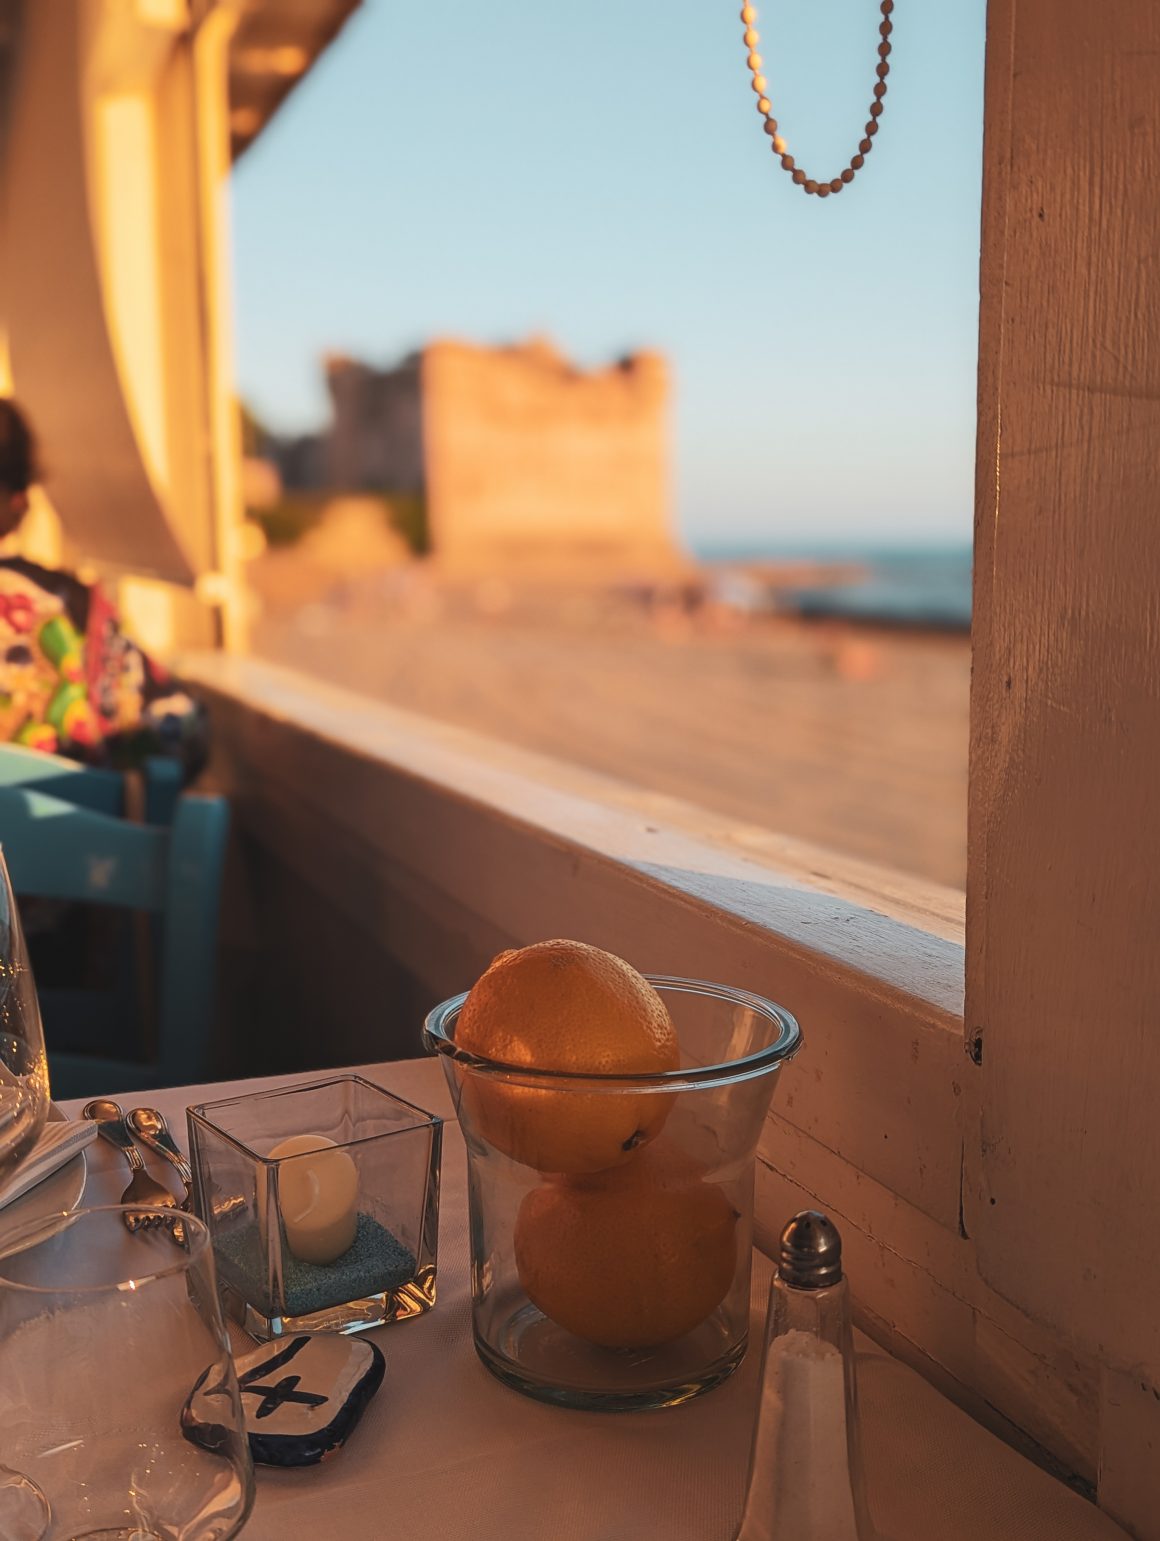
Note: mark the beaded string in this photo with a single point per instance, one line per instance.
(765, 108)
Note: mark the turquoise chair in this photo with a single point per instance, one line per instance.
(101, 790)
(115, 1014)
(57, 850)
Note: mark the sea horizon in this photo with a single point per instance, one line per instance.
(828, 548)
(906, 583)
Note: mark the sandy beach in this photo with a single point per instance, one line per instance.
(849, 738)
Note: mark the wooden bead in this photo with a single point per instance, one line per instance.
(764, 106)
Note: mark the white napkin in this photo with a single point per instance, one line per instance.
(58, 1143)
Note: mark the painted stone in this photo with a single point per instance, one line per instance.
(301, 1398)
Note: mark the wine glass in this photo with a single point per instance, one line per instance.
(23, 1067)
(105, 1336)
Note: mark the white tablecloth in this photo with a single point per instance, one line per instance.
(447, 1453)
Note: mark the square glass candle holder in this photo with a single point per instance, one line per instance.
(322, 1201)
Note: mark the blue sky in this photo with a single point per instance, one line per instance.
(598, 172)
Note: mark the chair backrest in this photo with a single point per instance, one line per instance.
(57, 850)
(103, 791)
(162, 790)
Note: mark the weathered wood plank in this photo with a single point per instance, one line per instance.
(917, 1291)
(1063, 897)
(1062, 1171)
(830, 914)
(1129, 1483)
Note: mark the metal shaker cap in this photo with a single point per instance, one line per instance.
(810, 1252)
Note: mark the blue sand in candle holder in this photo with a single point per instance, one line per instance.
(375, 1262)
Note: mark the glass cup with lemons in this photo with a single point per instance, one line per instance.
(611, 1121)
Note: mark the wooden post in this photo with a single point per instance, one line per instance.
(1062, 1197)
(212, 130)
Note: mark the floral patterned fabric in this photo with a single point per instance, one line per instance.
(72, 683)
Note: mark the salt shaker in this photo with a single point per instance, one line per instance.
(805, 1472)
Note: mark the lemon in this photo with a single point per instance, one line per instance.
(632, 1258)
(566, 1006)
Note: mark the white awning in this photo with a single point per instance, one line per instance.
(274, 43)
(113, 152)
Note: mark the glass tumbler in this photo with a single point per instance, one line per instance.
(104, 1334)
(23, 1068)
(625, 1285)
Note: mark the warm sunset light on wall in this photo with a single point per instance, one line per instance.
(245, 120)
(286, 59)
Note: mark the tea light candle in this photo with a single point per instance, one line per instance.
(318, 1197)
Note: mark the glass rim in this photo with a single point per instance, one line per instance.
(200, 1113)
(18, 1242)
(788, 1041)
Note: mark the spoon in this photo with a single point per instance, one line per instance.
(143, 1190)
(151, 1129)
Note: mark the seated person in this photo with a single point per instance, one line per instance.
(71, 682)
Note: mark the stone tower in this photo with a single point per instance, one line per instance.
(527, 463)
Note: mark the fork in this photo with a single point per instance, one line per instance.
(143, 1190)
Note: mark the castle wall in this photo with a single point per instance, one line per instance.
(532, 463)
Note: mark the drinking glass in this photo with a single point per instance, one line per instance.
(23, 1069)
(625, 1287)
(104, 1334)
